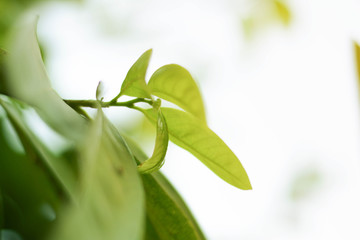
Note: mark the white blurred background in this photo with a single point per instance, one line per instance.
(279, 84)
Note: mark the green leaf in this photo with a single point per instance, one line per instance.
(3, 87)
(134, 84)
(30, 196)
(56, 165)
(28, 81)
(1, 211)
(156, 161)
(168, 217)
(111, 198)
(150, 231)
(194, 136)
(175, 84)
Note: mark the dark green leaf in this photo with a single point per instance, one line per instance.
(56, 165)
(175, 84)
(167, 214)
(194, 136)
(156, 161)
(27, 191)
(134, 84)
(3, 87)
(1, 211)
(150, 231)
(111, 196)
(29, 82)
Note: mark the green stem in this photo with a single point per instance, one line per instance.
(114, 100)
(95, 103)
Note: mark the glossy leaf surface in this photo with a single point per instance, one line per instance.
(175, 84)
(111, 198)
(157, 159)
(194, 136)
(168, 217)
(134, 84)
(28, 81)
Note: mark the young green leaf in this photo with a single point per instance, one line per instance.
(168, 217)
(111, 198)
(194, 136)
(156, 161)
(100, 91)
(175, 84)
(29, 82)
(134, 84)
(56, 165)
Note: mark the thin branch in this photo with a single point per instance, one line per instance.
(95, 103)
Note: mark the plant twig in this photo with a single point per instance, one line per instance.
(95, 103)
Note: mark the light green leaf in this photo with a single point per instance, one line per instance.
(111, 198)
(194, 136)
(134, 84)
(56, 165)
(156, 161)
(168, 217)
(28, 81)
(175, 84)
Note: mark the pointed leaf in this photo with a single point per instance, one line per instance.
(134, 84)
(168, 217)
(194, 136)
(156, 161)
(111, 196)
(175, 84)
(56, 165)
(28, 81)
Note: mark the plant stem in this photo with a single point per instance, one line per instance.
(114, 100)
(95, 103)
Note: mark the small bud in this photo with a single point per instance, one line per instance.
(100, 91)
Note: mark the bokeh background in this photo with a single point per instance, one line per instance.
(279, 82)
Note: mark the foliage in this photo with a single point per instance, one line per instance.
(101, 186)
